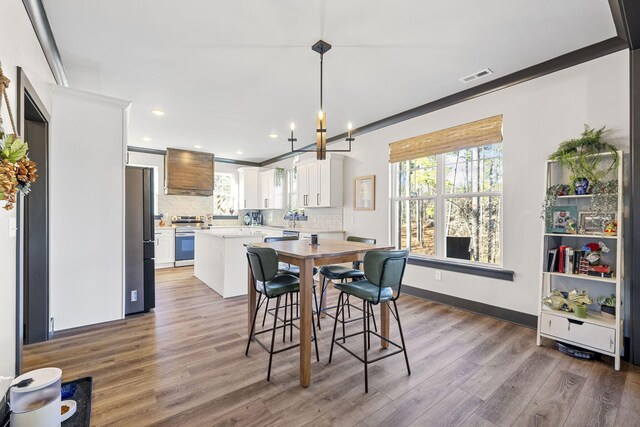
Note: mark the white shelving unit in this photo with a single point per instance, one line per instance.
(595, 332)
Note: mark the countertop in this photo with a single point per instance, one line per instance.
(230, 234)
(258, 228)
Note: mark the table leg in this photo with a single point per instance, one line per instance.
(251, 298)
(306, 310)
(384, 324)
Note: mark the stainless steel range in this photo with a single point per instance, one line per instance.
(185, 237)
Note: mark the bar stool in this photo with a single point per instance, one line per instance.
(342, 273)
(270, 284)
(383, 272)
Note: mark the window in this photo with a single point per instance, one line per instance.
(450, 205)
(224, 194)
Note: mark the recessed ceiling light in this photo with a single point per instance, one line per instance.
(146, 139)
(158, 112)
(198, 146)
(239, 152)
(273, 135)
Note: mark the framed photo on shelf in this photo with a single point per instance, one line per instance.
(364, 193)
(593, 224)
(564, 220)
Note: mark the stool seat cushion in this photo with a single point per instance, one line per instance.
(365, 290)
(338, 272)
(281, 284)
(293, 269)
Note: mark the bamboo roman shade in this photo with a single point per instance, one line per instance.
(481, 132)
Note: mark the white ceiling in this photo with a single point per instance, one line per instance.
(229, 73)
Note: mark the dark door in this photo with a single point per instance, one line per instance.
(36, 239)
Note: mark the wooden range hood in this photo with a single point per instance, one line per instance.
(188, 173)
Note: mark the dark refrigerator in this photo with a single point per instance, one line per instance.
(139, 244)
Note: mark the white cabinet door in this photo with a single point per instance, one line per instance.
(324, 183)
(314, 186)
(264, 190)
(303, 184)
(249, 188)
(165, 253)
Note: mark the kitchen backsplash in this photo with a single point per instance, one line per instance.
(318, 219)
(184, 205)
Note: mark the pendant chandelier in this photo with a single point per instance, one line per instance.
(321, 150)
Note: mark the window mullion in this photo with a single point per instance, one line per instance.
(440, 206)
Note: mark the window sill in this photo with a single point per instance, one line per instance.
(476, 270)
(225, 217)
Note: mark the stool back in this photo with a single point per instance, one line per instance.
(368, 240)
(386, 268)
(263, 263)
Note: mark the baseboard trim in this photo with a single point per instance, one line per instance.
(524, 319)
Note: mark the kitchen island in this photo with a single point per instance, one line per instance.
(221, 261)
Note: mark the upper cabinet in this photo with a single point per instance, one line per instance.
(249, 188)
(320, 182)
(272, 190)
(188, 173)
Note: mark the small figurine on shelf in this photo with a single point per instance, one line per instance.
(611, 228)
(581, 186)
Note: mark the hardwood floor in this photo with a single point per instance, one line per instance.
(184, 364)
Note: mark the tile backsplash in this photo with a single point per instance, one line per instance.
(318, 219)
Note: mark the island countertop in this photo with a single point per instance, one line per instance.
(230, 233)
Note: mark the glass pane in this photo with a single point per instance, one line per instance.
(473, 228)
(423, 182)
(416, 226)
(474, 170)
(223, 194)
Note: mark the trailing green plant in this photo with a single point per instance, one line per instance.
(279, 174)
(609, 301)
(604, 202)
(550, 201)
(580, 155)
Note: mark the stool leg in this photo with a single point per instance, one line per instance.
(315, 336)
(291, 318)
(345, 300)
(315, 297)
(364, 337)
(266, 310)
(373, 317)
(284, 329)
(335, 324)
(273, 336)
(369, 310)
(404, 347)
(253, 325)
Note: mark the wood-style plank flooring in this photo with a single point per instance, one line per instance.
(184, 364)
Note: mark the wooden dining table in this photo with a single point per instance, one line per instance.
(306, 256)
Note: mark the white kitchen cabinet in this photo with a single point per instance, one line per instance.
(165, 254)
(271, 195)
(320, 182)
(249, 188)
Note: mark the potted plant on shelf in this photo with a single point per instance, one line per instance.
(608, 306)
(581, 156)
(578, 302)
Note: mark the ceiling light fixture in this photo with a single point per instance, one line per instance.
(240, 153)
(158, 112)
(321, 47)
(198, 146)
(273, 135)
(146, 139)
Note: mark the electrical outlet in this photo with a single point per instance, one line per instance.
(134, 296)
(438, 275)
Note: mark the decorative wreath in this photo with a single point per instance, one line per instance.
(17, 172)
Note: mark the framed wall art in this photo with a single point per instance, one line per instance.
(364, 193)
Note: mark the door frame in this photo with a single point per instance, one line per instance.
(26, 93)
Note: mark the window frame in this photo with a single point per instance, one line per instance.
(440, 197)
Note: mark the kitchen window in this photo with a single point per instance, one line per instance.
(224, 194)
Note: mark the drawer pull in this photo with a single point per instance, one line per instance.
(610, 342)
(549, 323)
(577, 322)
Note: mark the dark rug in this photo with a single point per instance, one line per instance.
(80, 391)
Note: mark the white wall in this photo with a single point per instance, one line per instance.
(538, 115)
(87, 159)
(18, 47)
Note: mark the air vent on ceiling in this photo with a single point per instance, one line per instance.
(476, 75)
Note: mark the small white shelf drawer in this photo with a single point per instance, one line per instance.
(579, 332)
